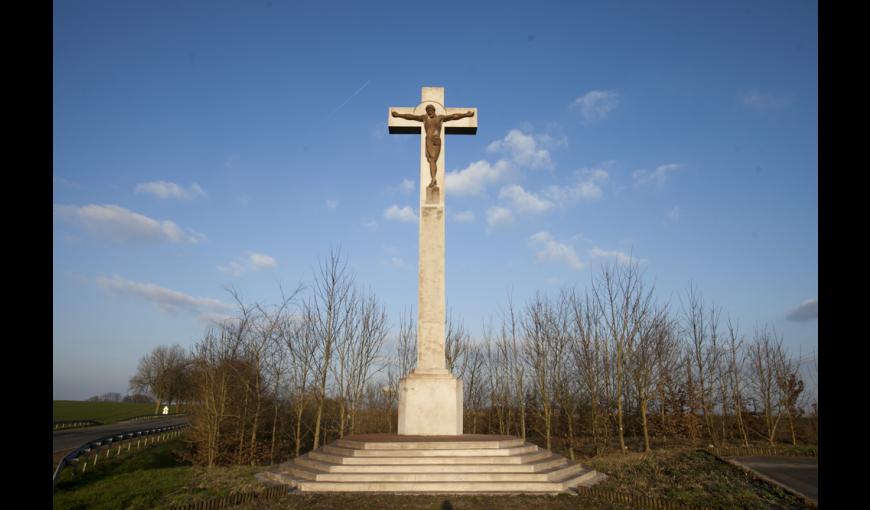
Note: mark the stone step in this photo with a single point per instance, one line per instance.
(587, 478)
(409, 460)
(431, 487)
(556, 474)
(427, 445)
(531, 467)
(464, 452)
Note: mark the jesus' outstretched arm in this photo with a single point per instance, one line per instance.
(418, 118)
(457, 116)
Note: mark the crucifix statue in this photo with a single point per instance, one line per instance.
(430, 398)
(432, 125)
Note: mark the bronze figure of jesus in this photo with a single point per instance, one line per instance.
(432, 125)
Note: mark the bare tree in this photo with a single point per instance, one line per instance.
(371, 331)
(587, 337)
(161, 373)
(332, 292)
(790, 386)
(701, 329)
(653, 341)
(455, 343)
(510, 347)
(624, 304)
(735, 377)
(302, 345)
(764, 354)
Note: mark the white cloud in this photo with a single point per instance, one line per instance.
(252, 261)
(464, 217)
(261, 261)
(765, 102)
(166, 189)
(406, 214)
(407, 185)
(167, 299)
(498, 215)
(597, 104)
(234, 268)
(119, 224)
(523, 201)
(674, 214)
(475, 177)
(552, 250)
(65, 182)
(588, 187)
(523, 149)
(398, 262)
(658, 176)
(618, 256)
(331, 204)
(369, 223)
(805, 312)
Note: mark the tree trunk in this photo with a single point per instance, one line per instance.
(643, 404)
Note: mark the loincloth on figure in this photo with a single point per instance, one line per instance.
(433, 147)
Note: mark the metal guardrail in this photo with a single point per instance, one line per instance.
(152, 417)
(109, 441)
(71, 424)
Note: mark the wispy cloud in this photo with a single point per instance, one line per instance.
(407, 186)
(369, 223)
(331, 204)
(169, 300)
(463, 217)
(657, 176)
(589, 186)
(674, 214)
(765, 102)
(119, 224)
(551, 250)
(66, 182)
(165, 189)
(597, 104)
(498, 216)
(398, 262)
(404, 214)
(618, 256)
(251, 261)
(805, 312)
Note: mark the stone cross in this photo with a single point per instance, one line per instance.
(430, 399)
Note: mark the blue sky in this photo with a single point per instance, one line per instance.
(202, 145)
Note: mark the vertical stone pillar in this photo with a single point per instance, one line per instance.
(430, 398)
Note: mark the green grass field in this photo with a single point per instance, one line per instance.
(103, 412)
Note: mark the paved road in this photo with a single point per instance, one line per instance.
(800, 474)
(65, 440)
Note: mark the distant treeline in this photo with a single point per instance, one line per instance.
(136, 398)
(581, 371)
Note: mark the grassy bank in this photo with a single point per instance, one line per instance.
(154, 477)
(103, 412)
(159, 476)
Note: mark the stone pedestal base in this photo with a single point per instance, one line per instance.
(430, 404)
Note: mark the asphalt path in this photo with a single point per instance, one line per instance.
(800, 474)
(65, 440)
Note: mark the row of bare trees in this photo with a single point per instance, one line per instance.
(608, 367)
(588, 369)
